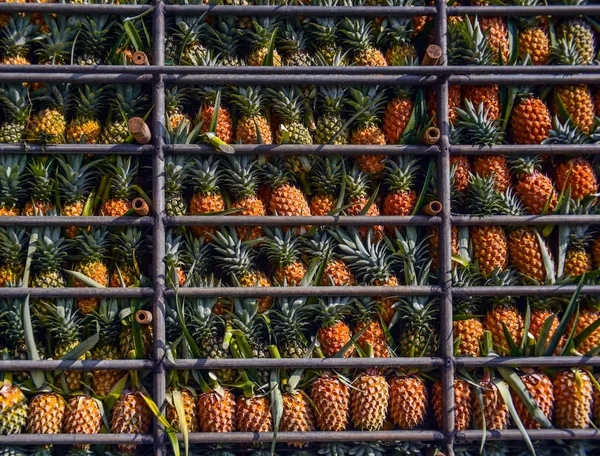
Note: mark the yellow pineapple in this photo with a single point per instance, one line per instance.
(463, 405)
(331, 397)
(369, 400)
(358, 33)
(46, 414)
(217, 411)
(92, 245)
(82, 416)
(573, 399)
(48, 125)
(540, 388)
(130, 415)
(13, 407)
(85, 127)
(409, 401)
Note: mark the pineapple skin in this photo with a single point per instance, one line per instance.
(331, 398)
(489, 95)
(408, 401)
(577, 262)
(298, 416)
(535, 42)
(253, 414)
(82, 417)
(131, 415)
(541, 390)
(250, 206)
(217, 413)
(495, 410)
(587, 316)
(115, 208)
(577, 174)
(496, 167)
(471, 333)
(495, 319)
(245, 131)
(189, 408)
(104, 380)
(395, 118)
(97, 271)
(369, 401)
(573, 400)
(338, 274)
(373, 335)
(224, 129)
(74, 209)
(463, 407)
(13, 410)
(258, 279)
(525, 254)
(46, 414)
(288, 200)
(490, 248)
(49, 125)
(578, 103)
(333, 338)
(79, 129)
(530, 121)
(202, 204)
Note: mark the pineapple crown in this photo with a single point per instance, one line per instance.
(332, 309)
(17, 36)
(15, 102)
(96, 32)
(287, 103)
(245, 318)
(173, 246)
(566, 52)
(401, 172)
(396, 31)
(12, 168)
(183, 133)
(483, 199)
(277, 172)
(566, 133)
(367, 103)
(54, 96)
(525, 164)
(223, 37)
(196, 255)
(11, 322)
(248, 100)
(476, 50)
(527, 21)
(13, 245)
(476, 127)
(57, 44)
(292, 40)
(358, 33)
(320, 246)
(75, 178)
(324, 28)
(189, 32)
(466, 277)
(175, 97)
(122, 173)
(264, 27)
(233, 256)
(326, 174)
(414, 256)
(206, 174)
(129, 101)
(41, 179)
(92, 244)
(505, 278)
(366, 309)
(62, 321)
(107, 318)
(417, 314)
(281, 249)
(370, 261)
(290, 316)
(89, 101)
(331, 99)
(51, 250)
(357, 183)
(241, 175)
(177, 169)
(127, 245)
(199, 317)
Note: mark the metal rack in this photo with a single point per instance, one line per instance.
(440, 77)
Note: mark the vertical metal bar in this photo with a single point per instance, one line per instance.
(445, 235)
(158, 232)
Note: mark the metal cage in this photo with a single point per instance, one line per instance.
(159, 75)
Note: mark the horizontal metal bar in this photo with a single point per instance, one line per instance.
(70, 439)
(75, 78)
(72, 8)
(302, 363)
(550, 10)
(298, 149)
(517, 149)
(514, 79)
(47, 365)
(96, 149)
(519, 220)
(256, 292)
(271, 220)
(64, 220)
(267, 79)
(525, 290)
(544, 361)
(317, 436)
(334, 11)
(534, 434)
(17, 292)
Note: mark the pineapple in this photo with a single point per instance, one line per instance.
(325, 177)
(16, 105)
(283, 253)
(85, 127)
(5, 17)
(48, 260)
(287, 103)
(92, 247)
(576, 174)
(13, 408)
(286, 198)
(330, 127)
(252, 126)
(374, 336)
(367, 104)
(253, 414)
(590, 312)
(371, 262)
(434, 245)
(577, 260)
(224, 122)
(46, 414)
(236, 260)
(298, 414)
(18, 33)
(357, 187)
(540, 388)
(461, 172)
(409, 401)
(358, 33)
(503, 313)
(122, 171)
(534, 189)
(127, 345)
(467, 326)
(264, 30)
(188, 35)
(207, 196)
(333, 331)
(96, 32)
(496, 33)
(63, 323)
(397, 115)
(454, 101)
(107, 318)
(83, 416)
(190, 415)
(217, 410)
(395, 35)
(56, 45)
(174, 262)
(177, 169)
(42, 187)
(369, 400)
(12, 325)
(494, 410)
(573, 399)
(49, 124)
(525, 253)
(75, 182)
(224, 38)
(321, 247)
(530, 121)
(13, 252)
(533, 36)
(293, 44)
(174, 99)
(463, 408)
(128, 247)
(400, 175)
(130, 415)
(331, 397)
(325, 34)
(581, 33)
(126, 102)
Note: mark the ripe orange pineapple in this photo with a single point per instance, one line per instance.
(331, 398)
(399, 177)
(92, 247)
(326, 177)
(82, 416)
(463, 404)
(462, 171)
(189, 409)
(122, 173)
(130, 415)
(224, 125)
(252, 126)
(397, 115)
(253, 414)
(264, 28)
(467, 326)
(541, 310)
(408, 401)
(207, 196)
(578, 175)
(434, 245)
(534, 189)
(46, 414)
(573, 399)
(321, 247)
(490, 248)
(540, 388)
(357, 188)
(333, 332)
(525, 254)
(494, 410)
(283, 254)
(217, 411)
(298, 415)
(587, 316)
(369, 400)
(530, 121)
(286, 198)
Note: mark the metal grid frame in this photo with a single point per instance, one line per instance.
(440, 76)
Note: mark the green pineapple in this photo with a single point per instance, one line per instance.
(93, 41)
(177, 172)
(12, 168)
(56, 46)
(263, 30)
(17, 36)
(48, 259)
(42, 187)
(395, 36)
(292, 44)
(13, 252)
(188, 36)
(330, 126)
(358, 33)
(49, 124)
(13, 331)
(224, 39)
(127, 101)
(16, 106)
(288, 104)
(128, 248)
(581, 33)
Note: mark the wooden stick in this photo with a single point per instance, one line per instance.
(433, 208)
(140, 58)
(432, 136)
(140, 130)
(140, 207)
(433, 54)
(143, 317)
